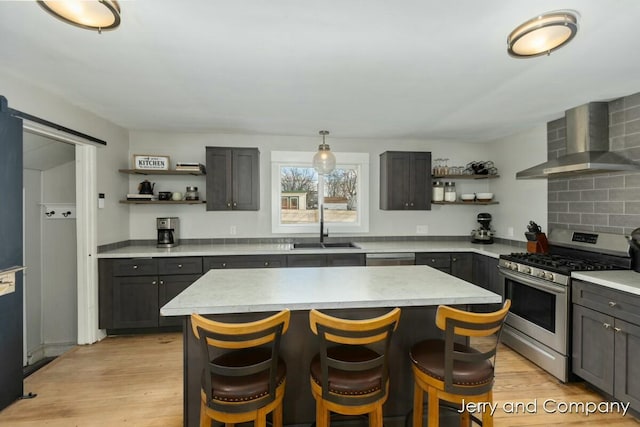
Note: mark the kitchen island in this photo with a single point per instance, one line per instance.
(354, 292)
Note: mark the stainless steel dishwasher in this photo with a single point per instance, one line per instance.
(395, 258)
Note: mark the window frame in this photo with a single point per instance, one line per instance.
(357, 161)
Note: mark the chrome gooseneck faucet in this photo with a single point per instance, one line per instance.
(322, 232)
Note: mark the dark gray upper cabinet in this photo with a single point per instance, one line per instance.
(233, 179)
(405, 180)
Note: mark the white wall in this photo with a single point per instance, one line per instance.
(33, 261)
(113, 220)
(59, 279)
(521, 201)
(196, 222)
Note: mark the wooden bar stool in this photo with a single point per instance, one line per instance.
(243, 377)
(451, 371)
(351, 378)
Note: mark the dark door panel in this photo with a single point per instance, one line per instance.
(10, 255)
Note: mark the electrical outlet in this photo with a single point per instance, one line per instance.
(510, 232)
(232, 230)
(422, 229)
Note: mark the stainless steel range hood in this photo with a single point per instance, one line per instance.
(587, 147)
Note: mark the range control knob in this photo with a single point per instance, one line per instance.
(514, 267)
(548, 276)
(527, 270)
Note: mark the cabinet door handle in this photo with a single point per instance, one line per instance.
(228, 205)
(266, 264)
(162, 282)
(454, 259)
(179, 265)
(154, 283)
(235, 204)
(433, 260)
(135, 267)
(406, 205)
(606, 325)
(224, 264)
(612, 303)
(617, 329)
(411, 203)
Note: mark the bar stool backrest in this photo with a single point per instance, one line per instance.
(365, 332)
(215, 336)
(458, 323)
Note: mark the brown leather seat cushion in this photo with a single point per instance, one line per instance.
(245, 388)
(428, 356)
(347, 382)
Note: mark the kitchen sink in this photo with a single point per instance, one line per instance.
(318, 245)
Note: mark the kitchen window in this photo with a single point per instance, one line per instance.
(298, 191)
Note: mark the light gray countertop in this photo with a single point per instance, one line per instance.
(493, 250)
(271, 289)
(622, 280)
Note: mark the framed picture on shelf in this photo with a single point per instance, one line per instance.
(150, 162)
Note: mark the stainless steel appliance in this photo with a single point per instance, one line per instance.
(484, 234)
(168, 232)
(587, 146)
(539, 285)
(400, 258)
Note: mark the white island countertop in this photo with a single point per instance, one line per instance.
(271, 289)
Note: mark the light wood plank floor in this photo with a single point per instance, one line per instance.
(137, 381)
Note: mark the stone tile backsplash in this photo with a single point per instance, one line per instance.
(600, 202)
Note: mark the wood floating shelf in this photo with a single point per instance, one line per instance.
(160, 172)
(465, 203)
(465, 176)
(163, 202)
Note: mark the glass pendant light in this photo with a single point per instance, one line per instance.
(324, 162)
(542, 34)
(95, 15)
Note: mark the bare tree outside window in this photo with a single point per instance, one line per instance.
(299, 195)
(343, 183)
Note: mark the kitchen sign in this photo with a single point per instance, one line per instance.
(150, 162)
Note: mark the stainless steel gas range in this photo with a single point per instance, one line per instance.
(539, 285)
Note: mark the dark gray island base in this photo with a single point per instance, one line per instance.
(350, 292)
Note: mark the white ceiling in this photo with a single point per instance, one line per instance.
(429, 69)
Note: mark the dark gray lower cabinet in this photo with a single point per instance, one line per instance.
(244, 261)
(485, 275)
(593, 347)
(132, 290)
(462, 265)
(328, 260)
(438, 260)
(135, 302)
(457, 264)
(606, 340)
(168, 288)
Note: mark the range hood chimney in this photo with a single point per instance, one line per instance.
(587, 147)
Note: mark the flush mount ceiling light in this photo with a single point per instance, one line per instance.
(95, 15)
(542, 34)
(324, 162)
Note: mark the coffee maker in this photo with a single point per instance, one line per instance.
(484, 234)
(168, 229)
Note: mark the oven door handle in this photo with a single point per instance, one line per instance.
(555, 289)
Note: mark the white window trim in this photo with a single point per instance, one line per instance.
(359, 161)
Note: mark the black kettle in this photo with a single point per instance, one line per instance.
(634, 249)
(146, 187)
